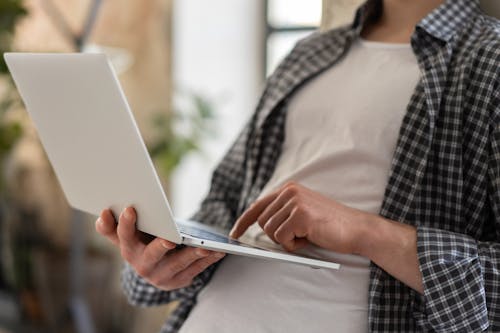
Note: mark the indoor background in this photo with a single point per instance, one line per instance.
(192, 71)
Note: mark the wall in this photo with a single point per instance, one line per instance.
(217, 53)
(338, 12)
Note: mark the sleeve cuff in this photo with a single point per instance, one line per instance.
(139, 292)
(454, 296)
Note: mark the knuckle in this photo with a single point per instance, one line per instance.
(296, 208)
(268, 226)
(293, 188)
(150, 256)
(177, 267)
(147, 257)
(198, 269)
(278, 236)
(293, 246)
(200, 266)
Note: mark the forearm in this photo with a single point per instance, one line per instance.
(393, 247)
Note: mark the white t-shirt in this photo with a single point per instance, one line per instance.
(341, 132)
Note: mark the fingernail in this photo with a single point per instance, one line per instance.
(126, 214)
(219, 255)
(168, 246)
(99, 221)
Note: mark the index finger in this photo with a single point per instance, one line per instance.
(250, 216)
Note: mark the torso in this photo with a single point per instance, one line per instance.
(341, 131)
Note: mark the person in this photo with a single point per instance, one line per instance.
(376, 145)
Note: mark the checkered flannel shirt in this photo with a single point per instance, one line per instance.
(445, 174)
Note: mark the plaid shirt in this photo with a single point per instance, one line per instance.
(444, 180)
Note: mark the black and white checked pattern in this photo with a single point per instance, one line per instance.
(445, 174)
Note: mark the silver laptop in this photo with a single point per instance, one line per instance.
(94, 145)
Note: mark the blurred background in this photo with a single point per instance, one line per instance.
(192, 71)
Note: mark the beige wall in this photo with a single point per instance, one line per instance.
(338, 12)
(491, 7)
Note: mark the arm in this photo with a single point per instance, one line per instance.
(295, 216)
(456, 275)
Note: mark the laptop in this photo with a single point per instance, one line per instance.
(94, 145)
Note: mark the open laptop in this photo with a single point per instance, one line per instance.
(94, 145)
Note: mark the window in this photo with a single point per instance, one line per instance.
(287, 22)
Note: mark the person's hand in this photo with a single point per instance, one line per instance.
(156, 260)
(295, 216)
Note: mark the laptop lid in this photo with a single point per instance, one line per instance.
(88, 132)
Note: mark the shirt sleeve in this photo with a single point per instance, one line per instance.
(461, 275)
(218, 208)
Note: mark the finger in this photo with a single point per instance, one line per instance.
(296, 244)
(196, 268)
(273, 223)
(290, 234)
(175, 262)
(277, 204)
(108, 217)
(249, 217)
(106, 226)
(152, 255)
(130, 244)
(127, 231)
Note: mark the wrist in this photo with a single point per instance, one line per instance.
(370, 230)
(379, 237)
(392, 246)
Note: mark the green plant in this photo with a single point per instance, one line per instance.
(10, 12)
(181, 131)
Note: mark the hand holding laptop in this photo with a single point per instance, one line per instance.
(158, 261)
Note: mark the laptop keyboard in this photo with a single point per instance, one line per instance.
(203, 234)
